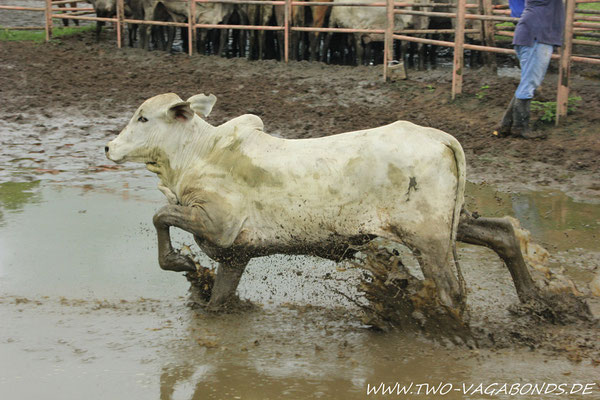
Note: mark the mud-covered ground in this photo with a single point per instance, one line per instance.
(60, 102)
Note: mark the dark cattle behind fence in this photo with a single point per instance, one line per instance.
(582, 28)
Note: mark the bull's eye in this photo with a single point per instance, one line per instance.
(142, 119)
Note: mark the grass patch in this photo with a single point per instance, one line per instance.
(589, 6)
(40, 36)
(548, 108)
(502, 38)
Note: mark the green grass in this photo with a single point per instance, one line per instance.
(548, 108)
(40, 36)
(502, 38)
(589, 6)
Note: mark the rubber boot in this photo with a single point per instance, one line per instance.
(520, 125)
(503, 129)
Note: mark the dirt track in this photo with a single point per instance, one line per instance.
(306, 100)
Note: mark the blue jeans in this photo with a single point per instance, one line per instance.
(534, 62)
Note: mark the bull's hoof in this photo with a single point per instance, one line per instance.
(177, 262)
(232, 304)
(555, 308)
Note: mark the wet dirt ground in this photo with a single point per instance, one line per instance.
(86, 311)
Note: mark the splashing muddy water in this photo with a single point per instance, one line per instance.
(87, 313)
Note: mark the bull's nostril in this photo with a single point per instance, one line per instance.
(106, 149)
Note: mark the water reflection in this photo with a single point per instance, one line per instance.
(14, 196)
(287, 354)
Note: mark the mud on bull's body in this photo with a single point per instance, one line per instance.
(244, 193)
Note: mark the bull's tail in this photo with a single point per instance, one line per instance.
(461, 179)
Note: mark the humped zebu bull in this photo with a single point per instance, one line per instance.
(243, 193)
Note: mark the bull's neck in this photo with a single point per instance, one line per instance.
(188, 147)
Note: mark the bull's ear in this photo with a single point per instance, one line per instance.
(202, 104)
(181, 111)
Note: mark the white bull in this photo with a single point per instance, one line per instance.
(243, 193)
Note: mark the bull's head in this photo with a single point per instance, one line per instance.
(159, 126)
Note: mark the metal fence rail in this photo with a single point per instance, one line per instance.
(582, 26)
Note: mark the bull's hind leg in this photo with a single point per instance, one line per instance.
(226, 282)
(434, 256)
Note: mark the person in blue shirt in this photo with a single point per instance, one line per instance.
(516, 8)
(539, 29)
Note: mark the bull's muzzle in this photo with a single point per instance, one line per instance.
(108, 154)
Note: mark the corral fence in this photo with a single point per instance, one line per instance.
(582, 27)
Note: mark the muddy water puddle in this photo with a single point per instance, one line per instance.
(87, 313)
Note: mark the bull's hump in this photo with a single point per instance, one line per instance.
(247, 121)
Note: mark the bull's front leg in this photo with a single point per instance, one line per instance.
(170, 259)
(226, 282)
(215, 229)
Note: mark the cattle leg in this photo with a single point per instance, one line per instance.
(64, 21)
(171, 33)
(132, 30)
(242, 38)
(201, 41)
(313, 38)
(144, 40)
(211, 226)
(360, 50)
(498, 234)
(168, 258)
(226, 282)
(99, 25)
(435, 262)
(326, 44)
(547, 294)
(421, 51)
(74, 5)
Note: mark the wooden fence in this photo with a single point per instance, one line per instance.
(582, 26)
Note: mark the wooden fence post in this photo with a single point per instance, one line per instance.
(191, 23)
(388, 51)
(286, 29)
(48, 20)
(120, 24)
(564, 72)
(459, 52)
(488, 38)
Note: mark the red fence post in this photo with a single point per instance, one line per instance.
(48, 20)
(388, 51)
(488, 38)
(120, 24)
(286, 29)
(564, 72)
(459, 52)
(191, 23)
